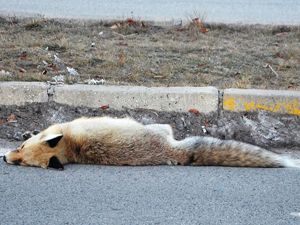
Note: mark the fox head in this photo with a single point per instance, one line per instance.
(41, 150)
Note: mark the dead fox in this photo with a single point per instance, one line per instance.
(110, 141)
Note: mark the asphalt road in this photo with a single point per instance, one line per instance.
(90, 194)
(227, 11)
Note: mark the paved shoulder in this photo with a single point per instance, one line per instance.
(87, 194)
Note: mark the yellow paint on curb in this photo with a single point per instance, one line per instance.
(252, 106)
(240, 104)
(229, 104)
(293, 107)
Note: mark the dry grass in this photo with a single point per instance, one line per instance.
(142, 54)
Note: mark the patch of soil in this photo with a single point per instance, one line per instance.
(262, 129)
(134, 52)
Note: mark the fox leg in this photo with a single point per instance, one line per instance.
(164, 129)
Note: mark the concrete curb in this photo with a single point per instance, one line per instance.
(179, 99)
(270, 100)
(20, 93)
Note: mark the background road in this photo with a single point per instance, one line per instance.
(90, 194)
(230, 11)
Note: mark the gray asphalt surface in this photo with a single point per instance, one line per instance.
(226, 11)
(91, 194)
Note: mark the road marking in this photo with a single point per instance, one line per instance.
(297, 214)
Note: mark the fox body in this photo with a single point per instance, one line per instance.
(110, 141)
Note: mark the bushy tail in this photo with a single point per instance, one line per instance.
(208, 151)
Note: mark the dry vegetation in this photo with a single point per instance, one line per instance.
(139, 53)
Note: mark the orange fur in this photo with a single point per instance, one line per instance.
(109, 141)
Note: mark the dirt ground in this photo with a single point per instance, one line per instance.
(264, 129)
(139, 53)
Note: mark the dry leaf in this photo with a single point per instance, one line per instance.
(131, 22)
(195, 111)
(11, 118)
(2, 121)
(22, 70)
(104, 107)
(23, 55)
(115, 26)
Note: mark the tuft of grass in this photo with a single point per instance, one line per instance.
(243, 82)
(55, 47)
(121, 58)
(34, 24)
(196, 25)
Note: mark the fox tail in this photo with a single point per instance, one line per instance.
(208, 151)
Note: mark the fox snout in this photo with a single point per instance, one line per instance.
(14, 158)
(15, 161)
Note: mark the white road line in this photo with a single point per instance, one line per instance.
(297, 214)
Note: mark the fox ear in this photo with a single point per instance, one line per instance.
(53, 139)
(55, 163)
